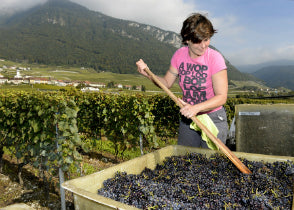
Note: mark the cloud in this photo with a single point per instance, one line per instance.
(165, 14)
(9, 6)
(287, 50)
(229, 28)
(256, 55)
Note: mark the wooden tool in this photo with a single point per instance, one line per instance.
(214, 139)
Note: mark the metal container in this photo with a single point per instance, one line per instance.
(265, 129)
(85, 188)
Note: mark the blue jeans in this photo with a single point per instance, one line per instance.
(190, 137)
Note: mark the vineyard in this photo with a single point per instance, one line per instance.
(48, 130)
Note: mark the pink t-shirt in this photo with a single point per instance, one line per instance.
(195, 75)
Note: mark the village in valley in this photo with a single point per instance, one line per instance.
(20, 78)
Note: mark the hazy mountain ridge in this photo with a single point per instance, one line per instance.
(277, 76)
(65, 33)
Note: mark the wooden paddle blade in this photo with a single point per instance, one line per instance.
(222, 147)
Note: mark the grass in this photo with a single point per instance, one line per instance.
(27, 87)
(107, 147)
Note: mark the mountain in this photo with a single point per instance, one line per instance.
(277, 76)
(255, 67)
(65, 33)
(61, 32)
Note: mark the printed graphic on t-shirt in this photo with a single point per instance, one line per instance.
(193, 78)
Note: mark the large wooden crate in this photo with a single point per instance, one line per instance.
(85, 188)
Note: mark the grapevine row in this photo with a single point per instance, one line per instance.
(44, 128)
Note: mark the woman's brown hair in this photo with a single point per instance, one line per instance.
(196, 28)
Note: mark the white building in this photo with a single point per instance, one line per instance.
(85, 89)
(17, 76)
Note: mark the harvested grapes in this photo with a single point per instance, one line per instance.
(194, 181)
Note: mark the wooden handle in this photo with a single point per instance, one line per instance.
(214, 139)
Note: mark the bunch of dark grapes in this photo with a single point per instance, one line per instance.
(196, 182)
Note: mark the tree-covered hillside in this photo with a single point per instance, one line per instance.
(67, 33)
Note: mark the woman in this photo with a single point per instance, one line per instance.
(203, 79)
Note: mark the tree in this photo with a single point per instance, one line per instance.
(110, 85)
(80, 86)
(143, 88)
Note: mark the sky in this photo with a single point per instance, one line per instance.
(248, 31)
